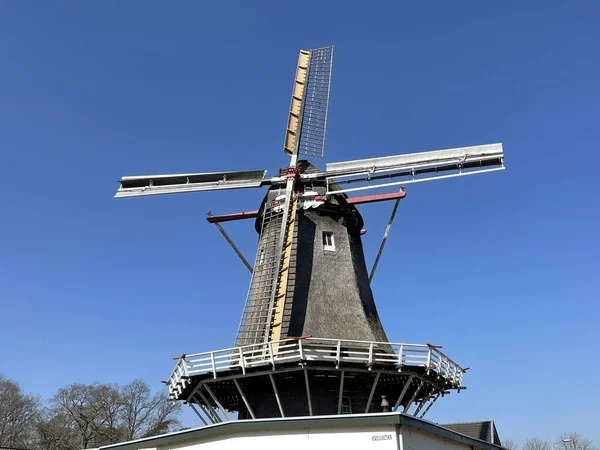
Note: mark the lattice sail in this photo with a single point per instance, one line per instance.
(307, 123)
(255, 321)
(316, 103)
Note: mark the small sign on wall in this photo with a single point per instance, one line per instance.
(382, 437)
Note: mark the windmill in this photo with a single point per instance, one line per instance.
(310, 340)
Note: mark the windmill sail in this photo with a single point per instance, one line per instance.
(414, 167)
(189, 182)
(310, 103)
(305, 134)
(316, 103)
(255, 317)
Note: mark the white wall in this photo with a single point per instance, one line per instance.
(380, 438)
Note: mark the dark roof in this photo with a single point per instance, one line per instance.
(486, 430)
(289, 423)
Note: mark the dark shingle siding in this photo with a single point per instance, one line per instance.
(486, 431)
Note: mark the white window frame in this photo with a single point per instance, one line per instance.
(328, 241)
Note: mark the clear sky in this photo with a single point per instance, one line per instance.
(501, 269)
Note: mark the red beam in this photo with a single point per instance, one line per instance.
(375, 198)
(351, 201)
(230, 217)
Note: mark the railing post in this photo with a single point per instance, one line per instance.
(185, 369)
(428, 360)
(180, 380)
(242, 361)
(300, 349)
(338, 354)
(400, 351)
(271, 354)
(370, 363)
(214, 368)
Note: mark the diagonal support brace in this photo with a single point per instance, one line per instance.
(385, 236)
(228, 239)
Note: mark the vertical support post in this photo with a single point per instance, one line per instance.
(400, 356)
(270, 346)
(214, 368)
(198, 414)
(341, 394)
(239, 388)
(372, 392)
(412, 399)
(301, 349)
(310, 410)
(403, 393)
(242, 360)
(210, 392)
(428, 359)
(338, 354)
(276, 394)
(370, 363)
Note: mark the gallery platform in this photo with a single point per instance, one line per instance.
(318, 376)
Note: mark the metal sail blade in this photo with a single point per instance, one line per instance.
(189, 182)
(307, 123)
(414, 167)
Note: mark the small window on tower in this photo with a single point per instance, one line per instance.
(328, 242)
(261, 258)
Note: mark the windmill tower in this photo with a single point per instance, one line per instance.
(310, 341)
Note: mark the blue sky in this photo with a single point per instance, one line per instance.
(501, 269)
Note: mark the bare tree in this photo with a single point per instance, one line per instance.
(509, 444)
(18, 415)
(536, 444)
(83, 416)
(58, 432)
(145, 415)
(165, 416)
(575, 441)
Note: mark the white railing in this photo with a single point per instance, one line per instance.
(314, 349)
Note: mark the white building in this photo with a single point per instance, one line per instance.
(383, 431)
